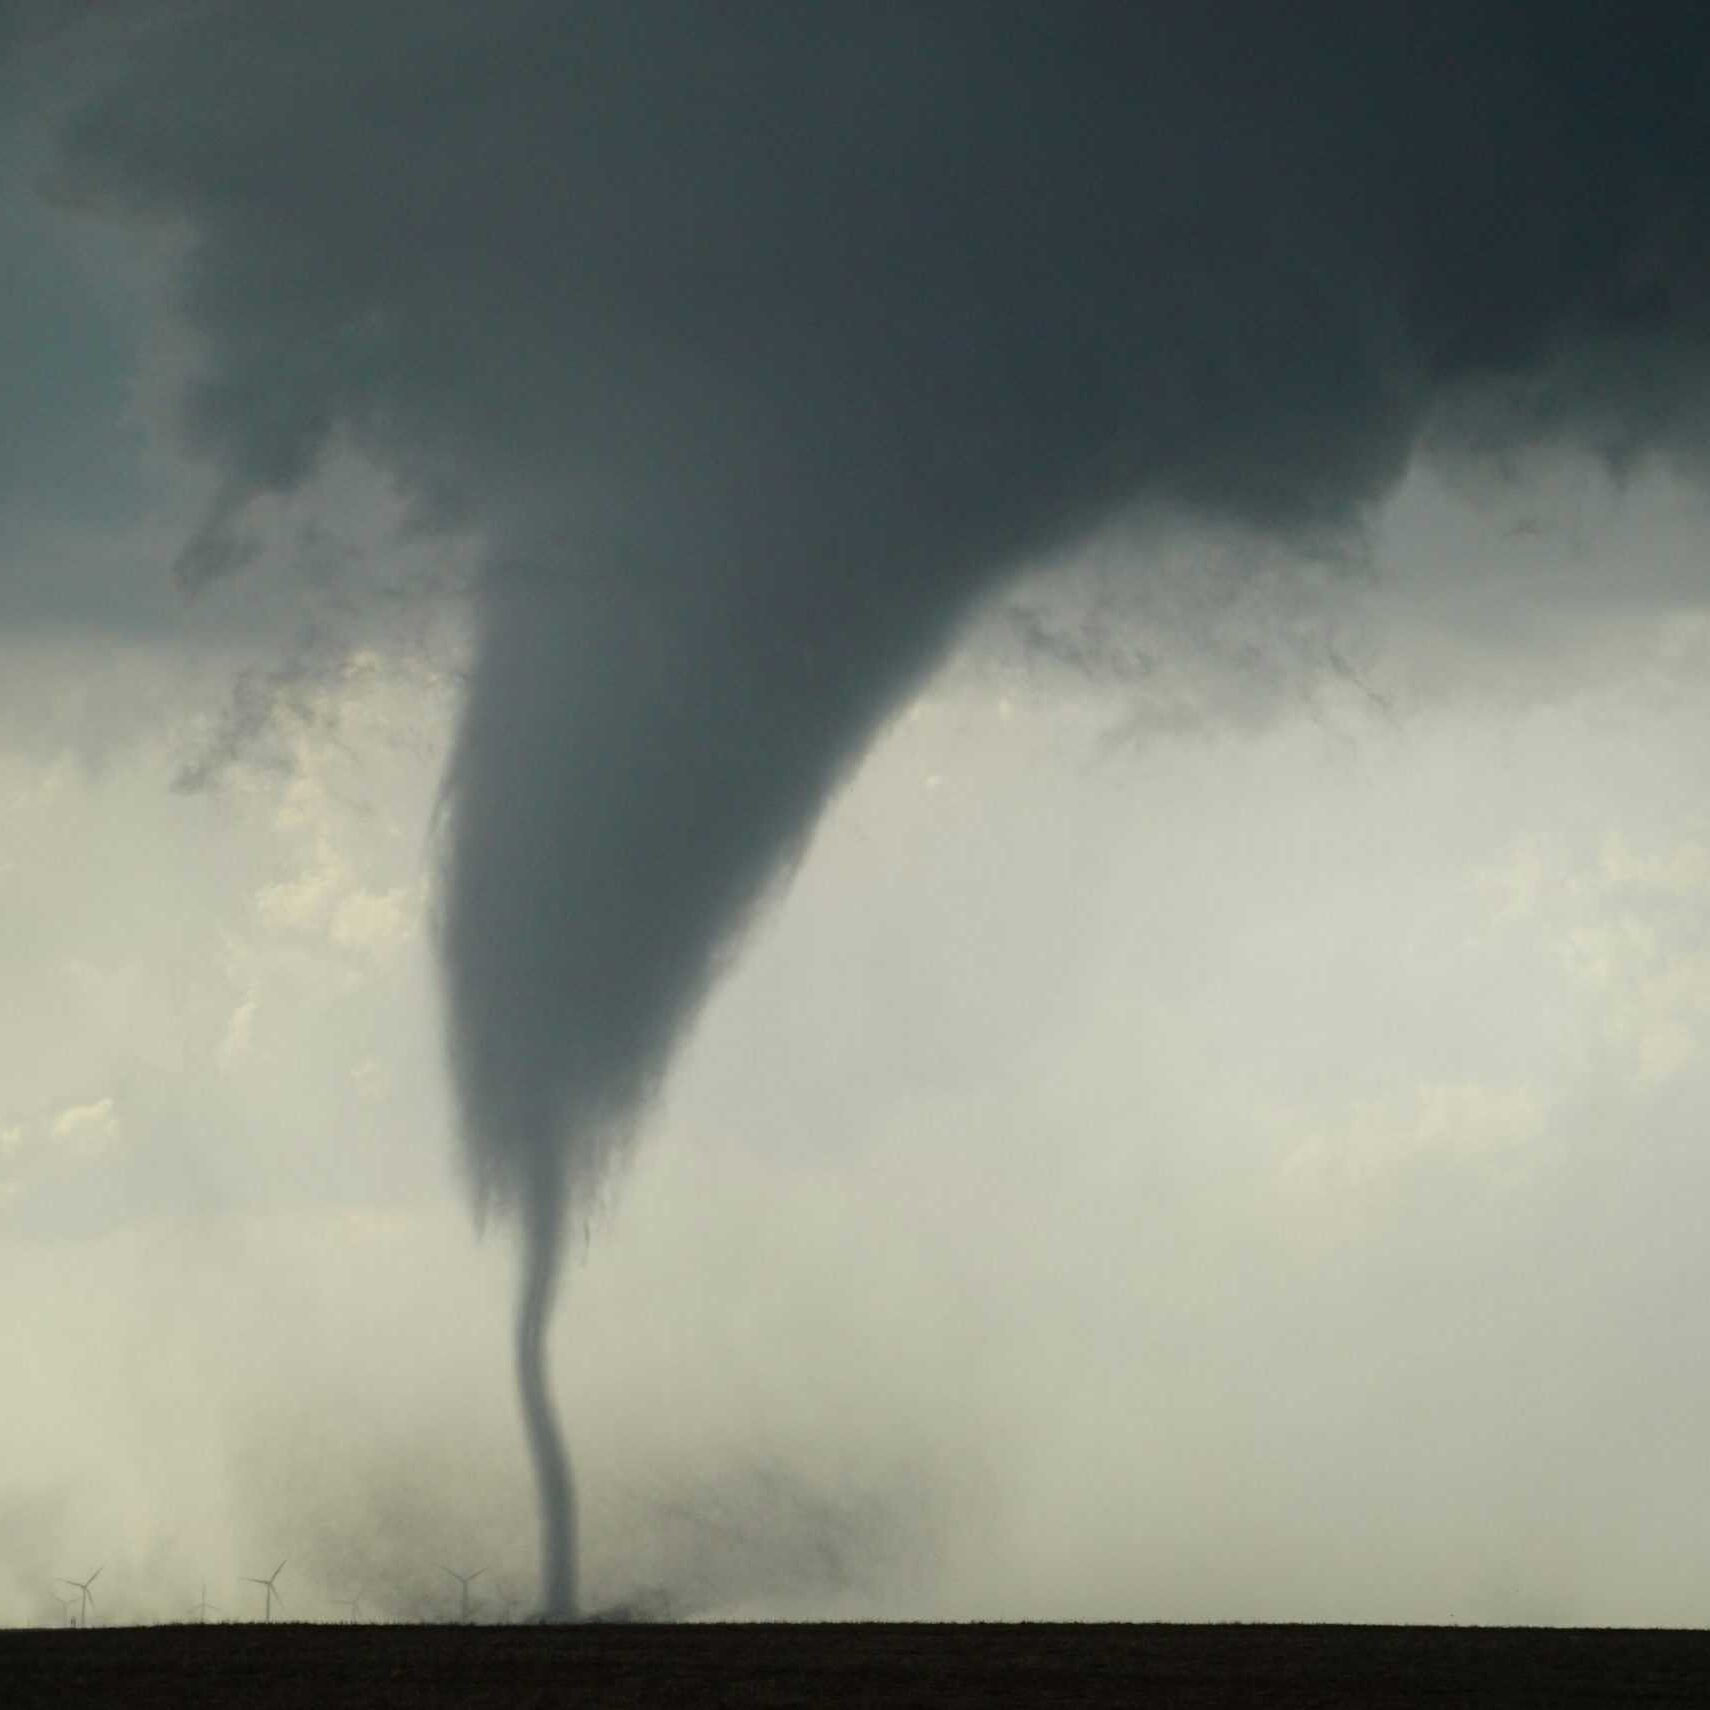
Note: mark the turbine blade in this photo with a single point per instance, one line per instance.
(96, 1574)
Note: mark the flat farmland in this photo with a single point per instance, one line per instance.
(602, 1667)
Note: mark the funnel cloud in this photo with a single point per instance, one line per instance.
(756, 343)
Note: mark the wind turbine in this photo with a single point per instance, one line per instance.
(353, 1604)
(83, 1586)
(66, 1617)
(204, 1606)
(271, 1592)
(465, 1580)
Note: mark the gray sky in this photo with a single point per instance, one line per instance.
(1211, 1129)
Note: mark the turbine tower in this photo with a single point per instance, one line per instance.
(267, 1584)
(88, 1596)
(465, 1580)
(201, 1609)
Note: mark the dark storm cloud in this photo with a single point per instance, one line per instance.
(758, 340)
(65, 447)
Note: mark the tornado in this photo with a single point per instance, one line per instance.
(756, 343)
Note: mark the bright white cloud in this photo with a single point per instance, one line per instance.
(378, 922)
(1357, 1176)
(88, 1129)
(238, 1041)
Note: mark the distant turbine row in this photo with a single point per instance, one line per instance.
(271, 1594)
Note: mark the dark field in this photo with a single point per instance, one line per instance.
(874, 1666)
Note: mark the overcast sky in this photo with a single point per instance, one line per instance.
(1212, 1128)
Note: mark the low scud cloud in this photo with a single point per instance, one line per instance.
(758, 346)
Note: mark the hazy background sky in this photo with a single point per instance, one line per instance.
(1213, 1130)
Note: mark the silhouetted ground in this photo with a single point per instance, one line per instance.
(874, 1666)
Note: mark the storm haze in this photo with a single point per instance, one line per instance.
(750, 359)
